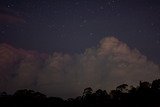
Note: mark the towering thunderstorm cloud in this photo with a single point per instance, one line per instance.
(109, 64)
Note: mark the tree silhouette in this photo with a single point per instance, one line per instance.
(144, 85)
(156, 84)
(3, 94)
(144, 95)
(122, 88)
(87, 91)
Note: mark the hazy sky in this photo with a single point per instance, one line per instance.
(106, 40)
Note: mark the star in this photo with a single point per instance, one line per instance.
(91, 33)
(3, 32)
(77, 3)
(81, 25)
(140, 31)
(84, 21)
(101, 7)
(63, 26)
(152, 23)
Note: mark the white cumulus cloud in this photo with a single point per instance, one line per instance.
(109, 64)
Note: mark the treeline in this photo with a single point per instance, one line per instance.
(145, 95)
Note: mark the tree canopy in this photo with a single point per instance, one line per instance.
(144, 95)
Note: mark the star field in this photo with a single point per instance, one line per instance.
(71, 26)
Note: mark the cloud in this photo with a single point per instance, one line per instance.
(10, 17)
(6, 18)
(109, 64)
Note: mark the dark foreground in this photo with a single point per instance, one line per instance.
(145, 95)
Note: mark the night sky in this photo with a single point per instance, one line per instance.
(72, 26)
